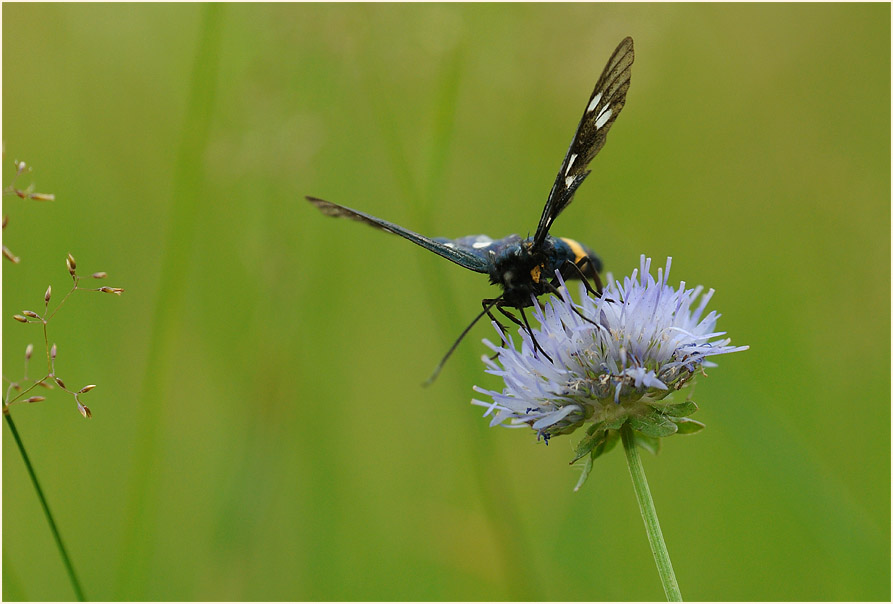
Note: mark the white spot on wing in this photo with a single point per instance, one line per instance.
(568, 181)
(603, 117)
(594, 102)
(478, 242)
(450, 244)
(570, 163)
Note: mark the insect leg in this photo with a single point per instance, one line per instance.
(575, 269)
(524, 325)
(554, 290)
(532, 337)
(598, 280)
(488, 305)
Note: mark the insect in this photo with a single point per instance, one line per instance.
(525, 267)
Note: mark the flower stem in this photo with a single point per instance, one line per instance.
(649, 515)
(46, 509)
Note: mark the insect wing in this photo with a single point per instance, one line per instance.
(605, 103)
(484, 247)
(460, 255)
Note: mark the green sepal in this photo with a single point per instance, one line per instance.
(679, 409)
(605, 441)
(611, 438)
(687, 425)
(610, 442)
(616, 423)
(653, 424)
(597, 443)
(567, 429)
(595, 436)
(595, 428)
(587, 468)
(652, 445)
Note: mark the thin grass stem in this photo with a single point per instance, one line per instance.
(69, 567)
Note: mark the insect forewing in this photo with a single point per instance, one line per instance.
(459, 256)
(604, 106)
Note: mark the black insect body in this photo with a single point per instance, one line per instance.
(525, 268)
(524, 271)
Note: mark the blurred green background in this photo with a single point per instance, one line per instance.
(259, 428)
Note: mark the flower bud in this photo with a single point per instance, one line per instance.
(10, 256)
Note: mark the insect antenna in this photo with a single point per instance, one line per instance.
(465, 331)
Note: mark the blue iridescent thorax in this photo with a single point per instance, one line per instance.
(523, 272)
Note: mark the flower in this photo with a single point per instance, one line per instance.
(611, 359)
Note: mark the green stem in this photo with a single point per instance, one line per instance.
(46, 509)
(649, 515)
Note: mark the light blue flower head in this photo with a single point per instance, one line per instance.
(611, 359)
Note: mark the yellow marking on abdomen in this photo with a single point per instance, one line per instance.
(576, 248)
